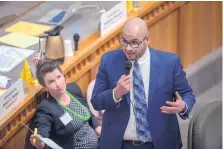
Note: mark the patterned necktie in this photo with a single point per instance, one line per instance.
(140, 106)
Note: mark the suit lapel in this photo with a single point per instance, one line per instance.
(154, 74)
(127, 96)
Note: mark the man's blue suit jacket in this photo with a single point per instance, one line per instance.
(166, 77)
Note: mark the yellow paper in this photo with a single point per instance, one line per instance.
(129, 5)
(134, 9)
(26, 73)
(28, 28)
(2, 91)
(19, 40)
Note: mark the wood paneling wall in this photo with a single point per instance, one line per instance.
(164, 33)
(200, 32)
(192, 31)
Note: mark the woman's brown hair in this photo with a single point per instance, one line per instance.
(45, 66)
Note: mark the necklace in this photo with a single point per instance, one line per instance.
(84, 117)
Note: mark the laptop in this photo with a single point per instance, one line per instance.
(59, 16)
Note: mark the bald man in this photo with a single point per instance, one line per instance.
(141, 107)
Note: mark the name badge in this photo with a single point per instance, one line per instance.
(66, 118)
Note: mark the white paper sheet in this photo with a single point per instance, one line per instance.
(11, 56)
(51, 144)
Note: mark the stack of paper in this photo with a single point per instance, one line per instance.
(19, 40)
(11, 57)
(28, 28)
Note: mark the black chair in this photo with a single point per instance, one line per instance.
(205, 129)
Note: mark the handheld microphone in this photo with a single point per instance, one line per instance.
(128, 66)
(76, 38)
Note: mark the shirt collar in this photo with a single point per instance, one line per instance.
(144, 57)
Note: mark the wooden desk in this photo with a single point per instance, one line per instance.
(20, 14)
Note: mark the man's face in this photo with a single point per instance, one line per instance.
(134, 46)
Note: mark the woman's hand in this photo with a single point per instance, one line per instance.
(98, 130)
(38, 143)
(36, 58)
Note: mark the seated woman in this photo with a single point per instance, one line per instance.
(63, 115)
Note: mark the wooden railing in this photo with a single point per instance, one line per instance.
(82, 67)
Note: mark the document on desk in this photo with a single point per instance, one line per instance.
(28, 28)
(11, 57)
(19, 40)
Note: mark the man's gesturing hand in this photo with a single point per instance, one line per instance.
(175, 107)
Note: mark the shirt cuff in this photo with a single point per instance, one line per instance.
(185, 110)
(113, 94)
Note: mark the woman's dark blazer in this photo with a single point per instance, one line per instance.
(49, 125)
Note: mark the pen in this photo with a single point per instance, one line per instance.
(35, 132)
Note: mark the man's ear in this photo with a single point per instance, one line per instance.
(147, 40)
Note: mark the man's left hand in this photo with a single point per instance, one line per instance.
(175, 107)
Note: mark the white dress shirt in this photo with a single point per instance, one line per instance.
(144, 64)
